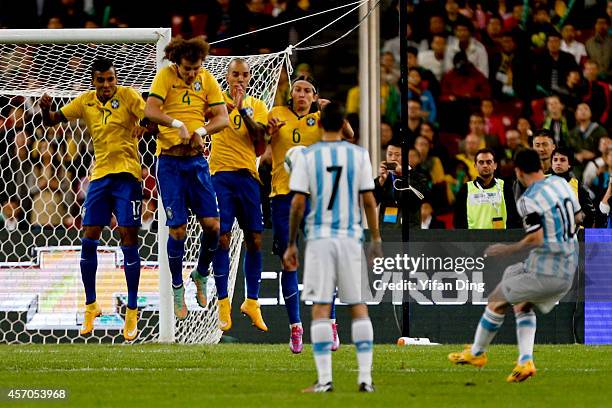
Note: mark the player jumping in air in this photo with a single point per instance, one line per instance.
(111, 113)
(336, 174)
(179, 96)
(236, 181)
(550, 212)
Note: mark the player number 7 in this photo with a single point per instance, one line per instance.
(337, 172)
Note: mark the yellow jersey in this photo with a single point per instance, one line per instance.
(186, 103)
(298, 130)
(232, 148)
(111, 125)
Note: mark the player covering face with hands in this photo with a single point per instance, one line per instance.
(236, 181)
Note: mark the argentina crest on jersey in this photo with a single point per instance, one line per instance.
(115, 103)
(197, 86)
(311, 121)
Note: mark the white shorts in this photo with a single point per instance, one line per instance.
(519, 285)
(332, 263)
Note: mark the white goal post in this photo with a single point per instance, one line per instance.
(41, 296)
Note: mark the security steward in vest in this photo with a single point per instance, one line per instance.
(487, 202)
(562, 167)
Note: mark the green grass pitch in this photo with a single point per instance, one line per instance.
(241, 375)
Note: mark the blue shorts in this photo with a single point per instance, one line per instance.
(120, 194)
(238, 195)
(184, 182)
(281, 207)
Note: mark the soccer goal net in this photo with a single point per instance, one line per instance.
(44, 180)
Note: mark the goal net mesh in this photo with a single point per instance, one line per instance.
(44, 179)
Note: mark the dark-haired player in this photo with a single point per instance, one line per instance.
(550, 212)
(296, 124)
(180, 94)
(111, 113)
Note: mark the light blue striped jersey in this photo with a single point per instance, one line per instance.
(551, 205)
(334, 174)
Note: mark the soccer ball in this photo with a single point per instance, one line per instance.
(291, 157)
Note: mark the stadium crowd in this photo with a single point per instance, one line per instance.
(482, 75)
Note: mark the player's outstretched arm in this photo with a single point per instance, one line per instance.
(50, 118)
(531, 240)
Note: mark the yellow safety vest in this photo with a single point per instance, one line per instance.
(484, 205)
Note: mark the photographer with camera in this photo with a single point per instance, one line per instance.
(390, 198)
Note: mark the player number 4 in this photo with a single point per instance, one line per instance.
(186, 98)
(336, 173)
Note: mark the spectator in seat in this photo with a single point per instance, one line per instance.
(430, 163)
(474, 50)
(415, 119)
(389, 71)
(570, 45)
(600, 187)
(555, 120)
(572, 92)
(512, 146)
(256, 18)
(523, 125)
(513, 20)
(478, 129)
(386, 135)
(490, 37)
(417, 91)
(428, 217)
(11, 214)
(597, 93)
(510, 70)
(429, 79)
(436, 28)
(434, 59)
(599, 47)
(552, 66)
(49, 189)
(16, 167)
(453, 17)
(604, 220)
(593, 167)
(494, 124)
(462, 90)
(471, 146)
(540, 27)
(584, 138)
